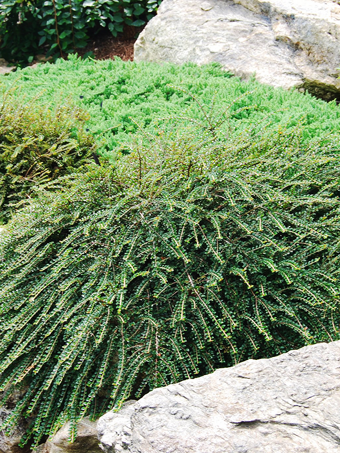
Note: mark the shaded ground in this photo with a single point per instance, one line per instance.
(104, 46)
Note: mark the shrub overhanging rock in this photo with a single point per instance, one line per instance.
(285, 404)
(194, 251)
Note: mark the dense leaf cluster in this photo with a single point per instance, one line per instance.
(197, 249)
(38, 144)
(117, 93)
(62, 26)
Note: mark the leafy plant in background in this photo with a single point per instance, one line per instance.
(195, 250)
(19, 29)
(62, 26)
(38, 144)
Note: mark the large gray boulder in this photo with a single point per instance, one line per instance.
(285, 43)
(287, 404)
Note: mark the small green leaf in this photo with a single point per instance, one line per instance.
(138, 23)
(42, 40)
(118, 18)
(65, 33)
(80, 35)
(138, 11)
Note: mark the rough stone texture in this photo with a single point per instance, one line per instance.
(115, 429)
(286, 43)
(41, 449)
(287, 404)
(86, 441)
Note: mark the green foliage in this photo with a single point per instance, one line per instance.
(61, 26)
(37, 144)
(196, 250)
(18, 30)
(117, 93)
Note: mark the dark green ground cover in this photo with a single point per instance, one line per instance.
(113, 92)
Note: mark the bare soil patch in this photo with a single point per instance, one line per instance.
(104, 46)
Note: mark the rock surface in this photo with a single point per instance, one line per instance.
(287, 404)
(4, 67)
(114, 430)
(286, 43)
(86, 441)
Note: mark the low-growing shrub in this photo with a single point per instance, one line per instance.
(59, 26)
(117, 93)
(38, 144)
(194, 251)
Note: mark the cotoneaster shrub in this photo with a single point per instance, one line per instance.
(120, 94)
(196, 250)
(37, 144)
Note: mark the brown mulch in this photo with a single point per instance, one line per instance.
(104, 46)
